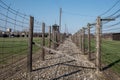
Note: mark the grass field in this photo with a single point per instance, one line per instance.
(18, 47)
(15, 48)
(110, 54)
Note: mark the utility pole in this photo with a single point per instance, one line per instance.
(60, 19)
(60, 25)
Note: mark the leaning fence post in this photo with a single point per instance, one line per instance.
(43, 41)
(89, 42)
(49, 37)
(98, 44)
(29, 59)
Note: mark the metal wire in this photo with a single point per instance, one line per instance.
(13, 43)
(110, 8)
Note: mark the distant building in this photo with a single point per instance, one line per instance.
(9, 30)
(116, 36)
(39, 35)
(0, 33)
(111, 36)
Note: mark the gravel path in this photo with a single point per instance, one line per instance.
(70, 64)
(61, 67)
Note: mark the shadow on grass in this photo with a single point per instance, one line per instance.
(53, 65)
(110, 65)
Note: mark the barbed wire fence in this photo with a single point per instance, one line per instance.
(19, 33)
(99, 40)
(13, 41)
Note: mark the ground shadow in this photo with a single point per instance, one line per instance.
(110, 65)
(79, 66)
(53, 65)
(65, 75)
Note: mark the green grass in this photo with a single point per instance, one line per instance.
(110, 53)
(93, 45)
(16, 47)
(9, 46)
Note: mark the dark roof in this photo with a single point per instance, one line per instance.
(116, 33)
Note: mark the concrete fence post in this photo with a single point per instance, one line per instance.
(89, 42)
(98, 44)
(43, 41)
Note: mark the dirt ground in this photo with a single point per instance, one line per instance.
(62, 67)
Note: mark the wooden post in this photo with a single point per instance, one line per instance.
(89, 43)
(73, 38)
(49, 37)
(61, 37)
(54, 37)
(83, 40)
(57, 34)
(98, 44)
(43, 41)
(29, 59)
(79, 39)
(76, 39)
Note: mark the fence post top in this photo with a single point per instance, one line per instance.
(31, 17)
(83, 28)
(43, 24)
(88, 24)
(98, 17)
